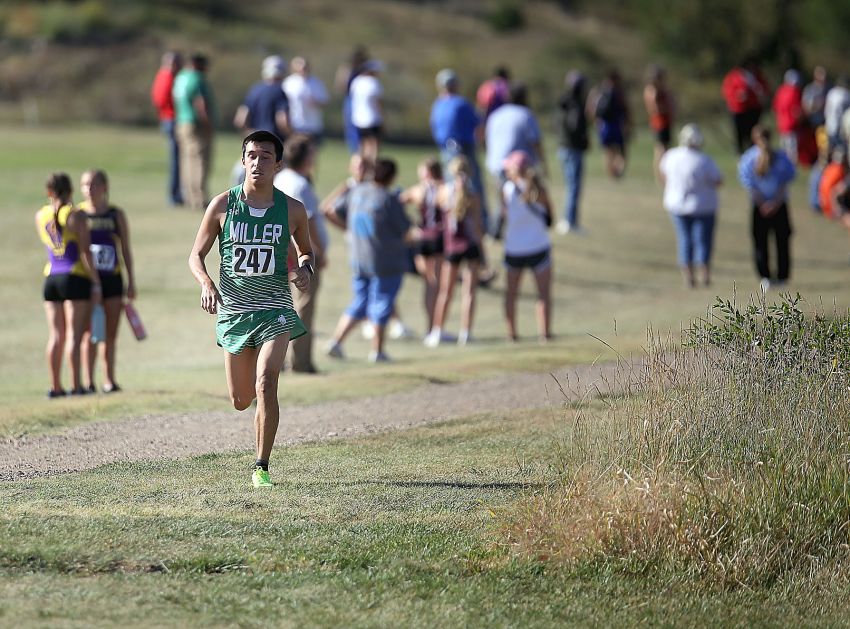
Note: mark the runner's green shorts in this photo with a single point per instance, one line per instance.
(235, 332)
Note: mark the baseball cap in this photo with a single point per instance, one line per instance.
(446, 77)
(273, 66)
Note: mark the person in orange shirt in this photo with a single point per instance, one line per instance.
(833, 174)
(660, 107)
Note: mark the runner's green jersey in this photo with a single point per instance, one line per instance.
(253, 245)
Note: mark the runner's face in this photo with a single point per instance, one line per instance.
(259, 161)
(92, 187)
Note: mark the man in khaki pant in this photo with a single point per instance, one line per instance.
(193, 111)
(299, 156)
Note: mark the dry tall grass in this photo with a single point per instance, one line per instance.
(727, 462)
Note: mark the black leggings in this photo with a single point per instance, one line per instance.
(780, 224)
(744, 123)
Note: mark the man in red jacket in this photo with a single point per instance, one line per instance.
(788, 109)
(162, 100)
(746, 93)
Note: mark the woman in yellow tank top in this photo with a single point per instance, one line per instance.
(70, 284)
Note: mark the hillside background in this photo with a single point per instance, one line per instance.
(69, 61)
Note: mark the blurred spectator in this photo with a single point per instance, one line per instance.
(345, 74)
(299, 156)
(162, 99)
(660, 107)
(513, 127)
(833, 174)
(610, 110)
(428, 256)
(307, 97)
(746, 93)
(265, 107)
(112, 256)
(691, 179)
(194, 112)
(814, 99)
(71, 283)
(494, 92)
(837, 102)
(455, 127)
(788, 109)
(765, 174)
(462, 235)
(528, 215)
(574, 142)
(367, 111)
(378, 228)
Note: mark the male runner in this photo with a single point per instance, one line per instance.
(254, 223)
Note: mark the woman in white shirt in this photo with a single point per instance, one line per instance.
(691, 179)
(366, 108)
(527, 218)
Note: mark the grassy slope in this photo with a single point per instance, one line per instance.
(393, 530)
(611, 284)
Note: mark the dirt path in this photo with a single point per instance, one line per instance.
(185, 435)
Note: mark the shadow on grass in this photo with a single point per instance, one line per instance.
(429, 484)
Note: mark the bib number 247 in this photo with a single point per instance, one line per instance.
(253, 260)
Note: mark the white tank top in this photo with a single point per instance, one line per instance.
(525, 229)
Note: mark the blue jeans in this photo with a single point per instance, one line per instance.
(572, 162)
(374, 297)
(448, 153)
(175, 195)
(694, 238)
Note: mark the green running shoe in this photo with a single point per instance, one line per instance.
(261, 478)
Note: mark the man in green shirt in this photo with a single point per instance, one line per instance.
(194, 117)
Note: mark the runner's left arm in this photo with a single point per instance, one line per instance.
(299, 228)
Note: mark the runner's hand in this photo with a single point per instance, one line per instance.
(210, 298)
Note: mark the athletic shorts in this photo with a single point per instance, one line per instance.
(428, 248)
(235, 332)
(370, 132)
(471, 253)
(662, 136)
(374, 298)
(536, 261)
(113, 286)
(66, 286)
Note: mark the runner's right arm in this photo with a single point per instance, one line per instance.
(207, 233)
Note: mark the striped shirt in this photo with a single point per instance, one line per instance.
(253, 245)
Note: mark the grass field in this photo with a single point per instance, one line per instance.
(396, 529)
(611, 284)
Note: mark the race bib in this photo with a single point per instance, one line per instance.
(103, 257)
(253, 260)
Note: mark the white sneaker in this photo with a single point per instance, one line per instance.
(464, 338)
(367, 330)
(334, 350)
(432, 339)
(378, 357)
(400, 331)
(764, 284)
(563, 227)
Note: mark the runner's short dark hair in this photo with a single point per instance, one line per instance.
(385, 170)
(264, 136)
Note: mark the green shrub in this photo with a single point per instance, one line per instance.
(506, 16)
(727, 463)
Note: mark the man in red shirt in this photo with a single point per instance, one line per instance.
(788, 109)
(162, 100)
(746, 93)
